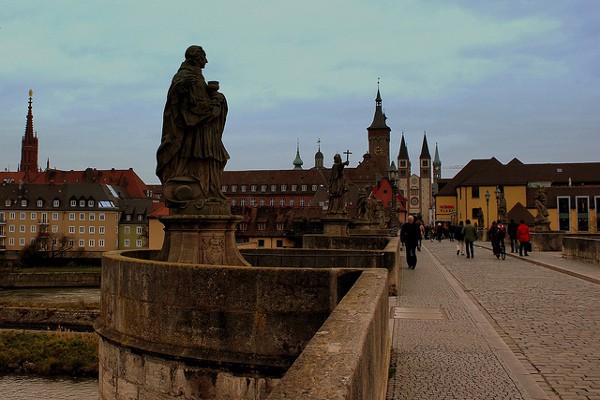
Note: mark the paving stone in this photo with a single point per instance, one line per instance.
(548, 319)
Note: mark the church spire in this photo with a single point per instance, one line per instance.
(437, 165)
(298, 161)
(29, 143)
(403, 153)
(379, 117)
(425, 148)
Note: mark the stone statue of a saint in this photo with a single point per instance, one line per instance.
(540, 204)
(502, 213)
(337, 187)
(191, 156)
(480, 221)
(362, 204)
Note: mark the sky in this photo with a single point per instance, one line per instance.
(484, 79)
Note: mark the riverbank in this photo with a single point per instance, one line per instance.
(49, 353)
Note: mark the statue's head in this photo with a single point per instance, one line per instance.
(196, 55)
(337, 158)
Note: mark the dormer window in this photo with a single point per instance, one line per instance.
(81, 203)
(56, 203)
(23, 202)
(73, 203)
(40, 203)
(90, 203)
(7, 203)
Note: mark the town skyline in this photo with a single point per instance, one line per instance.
(497, 80)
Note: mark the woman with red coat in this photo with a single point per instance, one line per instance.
(523, 237)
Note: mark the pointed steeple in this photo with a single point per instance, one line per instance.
(403, 153)
(379, 117)
(436, 158)
(425, 148)
(437, 165)
(29, 143)
(298, 161)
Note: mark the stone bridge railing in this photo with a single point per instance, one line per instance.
(582, 247)
(348, 357)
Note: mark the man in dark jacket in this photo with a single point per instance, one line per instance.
(409, 235)
(512, 234)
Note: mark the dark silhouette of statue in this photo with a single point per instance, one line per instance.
(502, 212)
(362, 204)
(191, 156)
(541, 198)
(337, 187)
(480, 221)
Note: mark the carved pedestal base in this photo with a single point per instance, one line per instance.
(368, 228)
(335, 225)
(541, 226)
(201, 239)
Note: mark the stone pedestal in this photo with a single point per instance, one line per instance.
(367, 228)
(201, 239)
(542, 226)
(335, 225)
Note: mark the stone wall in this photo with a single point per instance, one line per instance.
(50, 279)
(345, 242)
(348, 358)
(547, 241)
(582, 247)
(388, 257)
(210, 324)
(42, 318)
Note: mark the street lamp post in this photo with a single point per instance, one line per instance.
(393, 179)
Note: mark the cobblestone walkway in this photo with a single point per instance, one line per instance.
(547, 320)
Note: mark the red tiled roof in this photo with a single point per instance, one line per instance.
(125, 178)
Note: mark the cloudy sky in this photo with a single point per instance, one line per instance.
(503, 78)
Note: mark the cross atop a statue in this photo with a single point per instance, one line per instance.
(347, 153)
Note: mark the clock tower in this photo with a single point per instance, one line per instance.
(379, 138)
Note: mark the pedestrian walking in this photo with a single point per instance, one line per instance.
(470, 235)
(512, 234)
(524, 237)
(409, 235)
(460, 239)
(421, 233)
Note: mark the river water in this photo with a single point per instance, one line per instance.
(51, 295)
(25, 387)
(18, 387)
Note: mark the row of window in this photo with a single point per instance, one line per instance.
(81, 242)
(263, 188)
(261, 226)
(91, 229)
(54, 229)
(33, 216)
(262, 202)
(56, 203)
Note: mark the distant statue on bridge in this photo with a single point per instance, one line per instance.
(480, 221)
(191, 156)
(337, 187)
(362, 204)
(502, 212)
(540, 201)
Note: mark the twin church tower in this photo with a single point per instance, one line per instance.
(416, 189)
